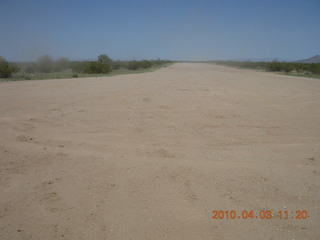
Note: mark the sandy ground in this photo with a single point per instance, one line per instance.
(150, 156)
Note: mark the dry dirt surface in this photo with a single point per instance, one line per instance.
(152, 155)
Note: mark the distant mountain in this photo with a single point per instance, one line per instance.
(314, 59)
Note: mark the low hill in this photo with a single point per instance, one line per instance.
(314, 59)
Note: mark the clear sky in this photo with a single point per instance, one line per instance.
(166, 29)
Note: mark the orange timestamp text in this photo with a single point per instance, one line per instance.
(263, 214)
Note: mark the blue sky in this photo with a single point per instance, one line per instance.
(166, 29)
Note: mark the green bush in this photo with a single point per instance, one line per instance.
(104, 59)
(273, 66)
(315, 68)
(145, 64)
(287, 67)
(97, 67)
(135, 65)
(6, 70)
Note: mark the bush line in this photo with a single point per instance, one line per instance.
(45, 66)
(275, 66)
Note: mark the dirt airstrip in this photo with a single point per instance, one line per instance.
(150, 156)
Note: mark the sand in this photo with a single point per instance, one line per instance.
(152, 155)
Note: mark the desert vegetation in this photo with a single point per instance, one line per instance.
(295, 68)
(6, 70)
(45, 67)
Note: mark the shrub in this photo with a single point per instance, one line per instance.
(135, 65)
(315, 68)
(97, 67)
(273, 66)
(104, 59)
(6, 70)
(287, 67)
(145, 64)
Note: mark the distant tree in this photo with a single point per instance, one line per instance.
(45, 64)
(103, 58)
(6, 70)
